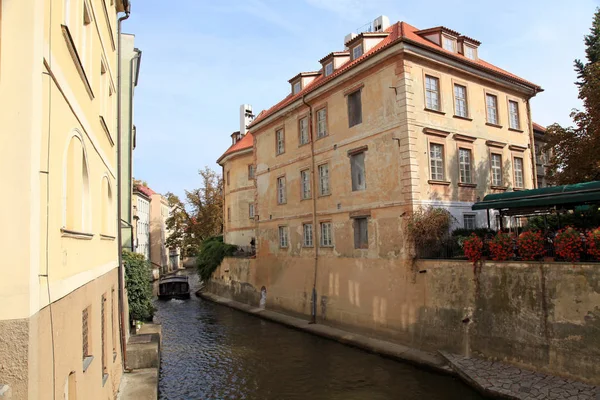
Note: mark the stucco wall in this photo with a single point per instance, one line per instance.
(542, 316)
(14, 335)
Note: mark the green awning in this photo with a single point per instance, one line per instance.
(561, 196)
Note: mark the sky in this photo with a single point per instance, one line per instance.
(202, 59)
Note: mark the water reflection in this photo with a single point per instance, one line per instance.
(214, 352)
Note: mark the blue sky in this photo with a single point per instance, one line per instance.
(202, 59)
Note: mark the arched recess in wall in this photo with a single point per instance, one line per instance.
(107, 207)
(76, 185)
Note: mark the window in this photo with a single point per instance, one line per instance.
(322, 123)
(469, 221)
(303, 128)
(228, 179)
(460, 101)
(436, 159)
(305, 182)
(432, 93)
(86, 333)
(280, 141)
(251, 171)
(283, 237)
(86, 37)
(513, 113)
(297, 87)
(324, 179)
(307, 230)
(229, 214)
(357, 169)
(496, 170)
(469, 52)
(76, 189)
(281, 198)
(251, 210)
(464, 165)
(328, 69)
(449, 44)
(326, 239)
(357, 51)
(107, 217)
(103, 332)
(112, 323)
(518, 164)
(491, 102)
(361, 233)
(354, 109)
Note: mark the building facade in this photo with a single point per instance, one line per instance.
(159, 212)
(141, 224)
(59, 309)
(542, 156)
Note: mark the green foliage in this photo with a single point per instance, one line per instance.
(480, 232)
(139, 286)
(580, 219)
(212, 252)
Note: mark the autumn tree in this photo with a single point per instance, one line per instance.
(575, 150)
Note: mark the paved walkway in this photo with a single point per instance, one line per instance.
(502, 380)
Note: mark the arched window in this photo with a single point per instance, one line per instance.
(76, 189)
(107, 207)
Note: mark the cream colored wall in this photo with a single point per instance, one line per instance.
(239, 193)
(158, 250)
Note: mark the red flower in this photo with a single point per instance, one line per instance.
(531, 245)
(568, 244)
(501, 247)
(473, 248)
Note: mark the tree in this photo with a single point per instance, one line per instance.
(575, 150)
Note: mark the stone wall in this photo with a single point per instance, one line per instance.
(542, 316)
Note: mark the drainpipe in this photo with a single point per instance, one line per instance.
(313, 315)
(119, 196)
(532, 142)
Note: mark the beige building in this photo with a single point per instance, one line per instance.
(141, 218)
(159, 212)
(59, 309)
(542, 156)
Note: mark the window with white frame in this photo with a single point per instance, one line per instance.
(469, 221)
(491, 102)
(357, 170)
(283, 237)
(518, 165)
(305, 182)
(469, 52)
(281, 195)
(303, 128)
(297, 87)
(328, 68)
(460, 101)
(436, 159)
(432, 92)
(307, 234)
(464, 165)
(326, 236)
(496, 169)
(322, 123)
(251, 210)
(449, 44)
(324, 179)
(513, 114)
(280, 141)
(357, 51)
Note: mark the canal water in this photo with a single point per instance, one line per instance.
(213, 352)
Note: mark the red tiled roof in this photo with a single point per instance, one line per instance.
(538, 127)
(400, 31)
(244, 143)
(145, 190)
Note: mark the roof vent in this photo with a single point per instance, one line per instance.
(246, 118)
(348, 38)
(381, 23)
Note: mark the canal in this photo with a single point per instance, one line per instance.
(214, 352)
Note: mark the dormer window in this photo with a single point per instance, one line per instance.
(329, 69)
(357, 51)
(470, 52)
(449, 43)
(297, 87)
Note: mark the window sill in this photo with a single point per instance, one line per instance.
(435, 182)
(325, 195)
(86, 362)
(434, 111)
(282, 204)
(307, 247)
(104, 379)
(516, 130)
(358, 190)
(503, 188)
(322, 137)
(326, 247)
(307, 198)
(75, 234)
(518, 189)
(303, 144)
(107, 237)
(280, 154)
(107, 131)
(461, 117)
(467, 185)
(494, 125)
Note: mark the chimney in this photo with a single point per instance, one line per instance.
(348, 38)
(381, 23)
(246, 118)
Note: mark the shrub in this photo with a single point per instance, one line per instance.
(481, 232)
(428, 228)
(138, 280)
(568, 244)
(211, 253)
(593, 243)
(531, 245)
(473, 248)
(501, 247)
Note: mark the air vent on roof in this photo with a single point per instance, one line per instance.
(246, 118)
(381, 23)
(348, 38)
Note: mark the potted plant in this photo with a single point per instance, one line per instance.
(473, 248)
(568, 244)
(593, 243)
(501, 247)
(531, 245)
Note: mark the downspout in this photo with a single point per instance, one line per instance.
(135, 59)
(313, 314)
(119, 195)
(532, 143)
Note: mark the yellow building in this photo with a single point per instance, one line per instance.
(59, 288)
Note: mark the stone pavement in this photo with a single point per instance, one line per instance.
(506, 381)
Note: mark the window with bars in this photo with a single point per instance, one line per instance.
(305, 182)
(103, 332)
(303, 128)
(251, 210)
(307, 230)
(432, 92)
(464, 165)
(496, 170)
(112, 321)
(436, 159)
(469, 221)
(329, 69)
(357, 170)
(85, 332)
(361, 233)
(491, 102)
(281, 195)
(326, 235)
(283, 237)
(513, 114)
(280, 141)
(324, 179)
(460, 101)
(251, 171)
(354, 108)
(518, 165)
(322, 123)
